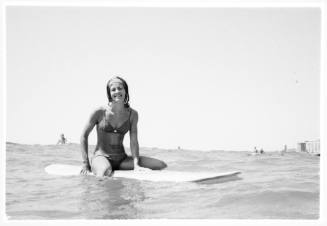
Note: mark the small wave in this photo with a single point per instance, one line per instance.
(271, 197)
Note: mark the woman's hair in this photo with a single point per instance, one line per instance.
(124, 83)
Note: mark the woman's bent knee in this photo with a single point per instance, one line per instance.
(101, 172)
(152, 163)
(161, 165)
(101, 167)
(164, 165)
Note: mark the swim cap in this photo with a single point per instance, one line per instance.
(114, 80)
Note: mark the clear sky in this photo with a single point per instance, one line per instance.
(200, 78)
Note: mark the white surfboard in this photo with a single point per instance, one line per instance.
(148, 175)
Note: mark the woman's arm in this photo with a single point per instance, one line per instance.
(134, 144)
(84, 140)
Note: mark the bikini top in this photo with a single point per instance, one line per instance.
(105, 125)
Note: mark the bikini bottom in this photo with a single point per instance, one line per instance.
(114, 159)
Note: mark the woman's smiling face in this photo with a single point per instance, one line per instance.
(117, 92)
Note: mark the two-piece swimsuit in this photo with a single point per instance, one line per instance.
(117, 155)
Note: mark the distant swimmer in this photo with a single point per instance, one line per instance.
(112, 122)
(261, 151)
(254, 152)
(62, 139)
(284, 150)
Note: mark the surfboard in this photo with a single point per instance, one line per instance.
(147, 175)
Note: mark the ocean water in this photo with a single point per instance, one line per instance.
(271, 186)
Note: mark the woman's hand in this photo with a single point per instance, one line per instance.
(86, 169)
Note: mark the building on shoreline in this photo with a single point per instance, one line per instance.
(309, 146)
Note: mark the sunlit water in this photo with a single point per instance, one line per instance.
(271, 186)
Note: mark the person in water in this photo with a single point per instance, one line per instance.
(62, 139)
(112, 122)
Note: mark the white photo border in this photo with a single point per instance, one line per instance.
(161, 3)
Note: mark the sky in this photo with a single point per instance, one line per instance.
(200, 78)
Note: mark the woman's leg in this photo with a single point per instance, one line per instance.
(101, 166)
(152, 163)
(147, 162)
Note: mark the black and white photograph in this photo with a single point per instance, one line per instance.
(125, 112)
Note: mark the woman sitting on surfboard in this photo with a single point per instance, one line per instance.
(112, 123)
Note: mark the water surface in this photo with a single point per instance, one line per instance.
(271, 186)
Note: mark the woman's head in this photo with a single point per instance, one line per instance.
(117, 88)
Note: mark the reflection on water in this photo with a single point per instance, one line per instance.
(110, 198)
